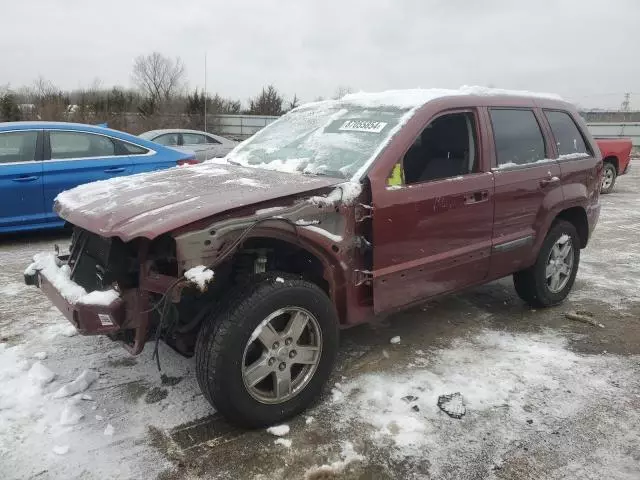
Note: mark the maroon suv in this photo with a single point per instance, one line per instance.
(338, 212)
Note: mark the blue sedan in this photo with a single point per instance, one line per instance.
(38, 160)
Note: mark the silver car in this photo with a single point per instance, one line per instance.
(204, 145)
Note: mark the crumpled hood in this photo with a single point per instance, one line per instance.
(150, 204)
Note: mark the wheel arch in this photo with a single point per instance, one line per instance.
(612, 159)
(577, 216)
(295, 254)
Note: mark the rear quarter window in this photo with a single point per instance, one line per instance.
(567, 135)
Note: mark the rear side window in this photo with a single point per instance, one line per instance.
(518, 137)
(566, 133)
(67, 145)
(168, 139)
(132, 149)
(193, 139)
(18, 147)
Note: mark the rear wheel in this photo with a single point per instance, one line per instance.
(550, 279)
(609, 176)
(267, 355)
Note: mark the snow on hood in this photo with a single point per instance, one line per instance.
(150, 204)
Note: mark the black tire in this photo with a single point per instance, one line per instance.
(609, 176)
(225, 333)
(531, 284)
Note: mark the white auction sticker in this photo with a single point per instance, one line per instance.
(105, 320)
(363, 126)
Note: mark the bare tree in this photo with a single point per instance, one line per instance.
(341, 91)
(294, 102)
(159, 77)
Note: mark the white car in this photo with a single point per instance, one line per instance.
(204, 145)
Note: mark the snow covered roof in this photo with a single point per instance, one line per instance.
(413, 98)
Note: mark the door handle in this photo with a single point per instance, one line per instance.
(24, 179)
(114, 170)
(550, 180)
(476, 197)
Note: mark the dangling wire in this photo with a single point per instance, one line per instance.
(165, 301)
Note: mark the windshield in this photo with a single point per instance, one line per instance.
(325, 138)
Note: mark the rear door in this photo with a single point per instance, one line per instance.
(198, 144)
(527, 185)
(73, 158)
(576, 158)
(432, 224)
(21, 182)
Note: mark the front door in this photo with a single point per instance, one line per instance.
(21, 195)
(432, 223)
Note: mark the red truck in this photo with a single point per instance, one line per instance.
(339, 212)
(616, 155)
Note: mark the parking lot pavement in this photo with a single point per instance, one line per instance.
(543, 396)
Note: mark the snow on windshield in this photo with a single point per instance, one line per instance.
(325, 138)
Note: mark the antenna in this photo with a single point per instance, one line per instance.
(626, 103)
(205, 91)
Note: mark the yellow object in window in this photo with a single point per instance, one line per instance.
(396, 178)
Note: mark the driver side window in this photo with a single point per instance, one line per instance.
(446, 148)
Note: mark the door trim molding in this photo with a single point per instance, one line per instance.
(513, 244)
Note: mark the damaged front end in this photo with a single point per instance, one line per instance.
(105, 286)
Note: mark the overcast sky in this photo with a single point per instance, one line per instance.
(586, 50)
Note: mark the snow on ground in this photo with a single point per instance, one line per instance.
(508, 382)
(610, 266)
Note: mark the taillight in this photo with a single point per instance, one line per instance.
(187, 161)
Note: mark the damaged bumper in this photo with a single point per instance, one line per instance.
(51, 274)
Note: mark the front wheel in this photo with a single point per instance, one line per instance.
(609, 176)
(267, 355)
(550, 279)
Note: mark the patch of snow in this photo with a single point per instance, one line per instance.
(285, 442)
(332, 470)
(99, 418)
(67, 330)
(199, 275)
(413, 98)
(86, 397)
(334, 238)
(99, 298)
(41, 374)
(280, 280)
(40, 355)
(61, 449)
(59, 276)
(345, 193)
(563, 238)
(394, 340)
(80, 384)
(308, 420)
(279, 430)
(71, 415)
(247, 182)
(305, 223)
(99, 197)
(568, 156)
(108, 431)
